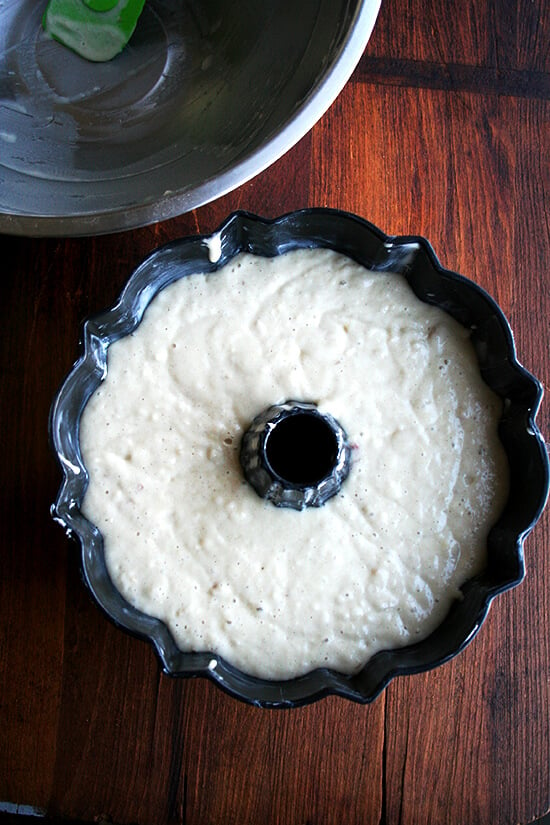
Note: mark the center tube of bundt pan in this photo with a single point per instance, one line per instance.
(295, 456)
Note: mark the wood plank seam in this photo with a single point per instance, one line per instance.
(454, 77)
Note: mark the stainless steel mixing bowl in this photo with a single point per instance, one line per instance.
(206, 95)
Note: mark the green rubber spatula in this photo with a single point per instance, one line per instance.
(95, 29)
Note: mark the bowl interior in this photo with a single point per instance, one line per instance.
(205, 95)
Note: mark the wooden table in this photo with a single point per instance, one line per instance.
(442, 131)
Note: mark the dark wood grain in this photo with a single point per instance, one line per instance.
(503, 35)
(442, 131)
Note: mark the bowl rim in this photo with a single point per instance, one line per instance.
(319, 99)
(409, 255)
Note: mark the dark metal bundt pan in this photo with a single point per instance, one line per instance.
(494, 345)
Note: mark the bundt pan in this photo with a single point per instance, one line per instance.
(492, 338)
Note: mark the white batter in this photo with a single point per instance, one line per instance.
(275, 591)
